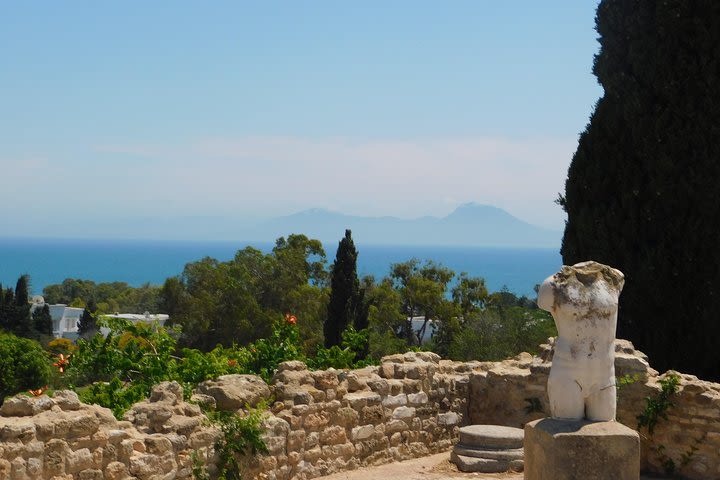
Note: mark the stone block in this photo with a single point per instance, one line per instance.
(572, 449)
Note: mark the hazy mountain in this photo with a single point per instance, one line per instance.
(470, 224)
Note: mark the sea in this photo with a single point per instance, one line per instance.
(50, 261)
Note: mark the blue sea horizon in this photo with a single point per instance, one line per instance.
(50, 261)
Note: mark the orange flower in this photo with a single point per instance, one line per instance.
(38, 392)
(62, 362)
(291, 319)
(232, 363)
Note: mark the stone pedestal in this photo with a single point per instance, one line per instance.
(488, 449)
(578, 449)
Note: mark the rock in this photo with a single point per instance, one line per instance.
(565, 449)
(171, 392)
(203, 400)
(484, 465)
(492, 436)
(490, 454)
(234, 392)
(448, 418)
(17, 406)
(292, 365)
(67, 400)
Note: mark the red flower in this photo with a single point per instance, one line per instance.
(38, 392)
(62, 362)
(291, 319)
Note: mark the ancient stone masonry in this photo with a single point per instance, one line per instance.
(327, 421)
(512, 393)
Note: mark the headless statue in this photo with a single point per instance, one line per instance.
(583, 300)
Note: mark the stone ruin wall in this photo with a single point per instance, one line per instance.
(326, 421)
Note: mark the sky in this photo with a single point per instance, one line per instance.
(165, 109)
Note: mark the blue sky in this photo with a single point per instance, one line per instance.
(407, 108)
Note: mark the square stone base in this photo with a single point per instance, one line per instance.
(581, 450)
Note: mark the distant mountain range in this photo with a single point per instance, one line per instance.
(469, 225)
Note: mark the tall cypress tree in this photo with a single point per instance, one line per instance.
(87, 325)
(346, 303)
(42, 321)
(641, 193)
(20, 319)
(22, 291)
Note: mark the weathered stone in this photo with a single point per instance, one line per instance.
(392, 401)
(79, 460)
(448, 418)
(485, 465)
(416, 399)
(492, 436)
(357, 400)
(17, 406)
(332, 436)
(234, 392)
(362, 433)
(492, 454)
(564, 450)
(403, 413)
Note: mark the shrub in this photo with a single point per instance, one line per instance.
(24, 365)
(61, 345)
(127, 363)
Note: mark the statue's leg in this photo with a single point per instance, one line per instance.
(566, 396)
(602, 405)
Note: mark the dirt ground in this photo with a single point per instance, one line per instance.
(433, 467)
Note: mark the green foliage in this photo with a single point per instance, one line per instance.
(196, 366)
(24, 365)
(346, 305)
(42, 321)
(87, 324)
(498, 333)
(282, 345)
(61, 345)
(656, 407)
(349, 354)
(235, 302)
(123, 366)
(241, 436)
(641, 192)
(104, 297)
(422, 290)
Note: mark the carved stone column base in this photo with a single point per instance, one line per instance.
(578, 449)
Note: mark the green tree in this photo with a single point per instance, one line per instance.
(87, 325)
(42, 321)
(641, 192)
(346, 305)
(24, 365)
(422, 289)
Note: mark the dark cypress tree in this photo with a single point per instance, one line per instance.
(22, 291)
(42, 321)
(20, 320)
(346, 303)
(641, 193)
(87, 325)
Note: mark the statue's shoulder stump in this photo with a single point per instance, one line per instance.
(572, 449)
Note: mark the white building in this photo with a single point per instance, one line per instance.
(65, 319)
